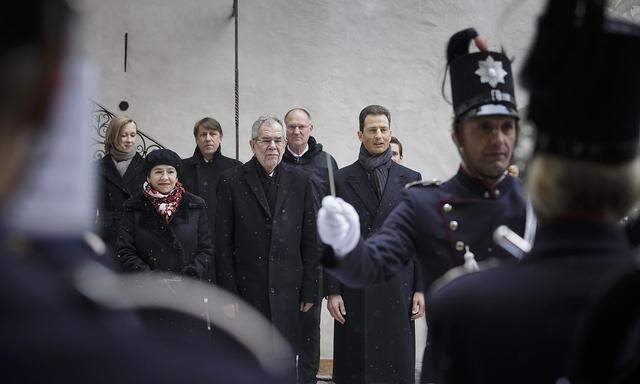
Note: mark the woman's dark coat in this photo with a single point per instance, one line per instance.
(269, 260)
(376, 344)
(145, 242)
(115, 190)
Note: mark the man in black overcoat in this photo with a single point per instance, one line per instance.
(374, 340)
(266, 241)
(201, 172)
(303, 152)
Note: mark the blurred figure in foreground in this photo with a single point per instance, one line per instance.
(49, 332)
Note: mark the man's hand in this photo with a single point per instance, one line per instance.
(335, 305)
(417, 310)
(230, 310)
(338, 225)
(304, 307)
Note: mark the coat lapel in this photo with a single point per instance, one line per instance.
(283, 188)
(360, 185)
(111, 173)
(395, 183)
(254, 184)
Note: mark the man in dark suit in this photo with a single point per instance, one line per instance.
(305, 153)
(519, 322)
(201, 172)
(452, 223)
(266, 240)
(374, 339)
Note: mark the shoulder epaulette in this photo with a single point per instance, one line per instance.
(424, 183)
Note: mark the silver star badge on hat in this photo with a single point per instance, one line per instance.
(491, 71)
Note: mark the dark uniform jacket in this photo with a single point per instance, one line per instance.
(436, 222)
(376, 344)
(314, 161)
(201, 178)
(146, 242)
(517, 323)
(268, 259)
(115, 190)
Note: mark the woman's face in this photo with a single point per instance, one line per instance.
(163, 178)
(127, 139)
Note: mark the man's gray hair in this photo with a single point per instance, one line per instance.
(269, 120)
(561, 187)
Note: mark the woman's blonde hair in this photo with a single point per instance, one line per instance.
(563, 187)
(114, 129)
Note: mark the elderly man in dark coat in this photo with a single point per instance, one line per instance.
(266, 240)
(201, 172)
(374, 339)
(306, 154)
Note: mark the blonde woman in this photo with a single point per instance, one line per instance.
(122, 174)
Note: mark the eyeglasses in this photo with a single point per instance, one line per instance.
(266, 142)
(300, 127)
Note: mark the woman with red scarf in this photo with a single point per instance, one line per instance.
(164, 227)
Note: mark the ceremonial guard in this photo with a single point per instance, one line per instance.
(444, 223)
(518, 323)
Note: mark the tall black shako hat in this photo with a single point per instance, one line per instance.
(481, 82)
(162, 157)
(584, 82)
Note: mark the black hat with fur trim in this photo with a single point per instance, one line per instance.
(162, 157)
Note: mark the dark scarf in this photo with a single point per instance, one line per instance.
(377, 168)
(198, 155)
(269, 183)
(165, 205)
(122, 159)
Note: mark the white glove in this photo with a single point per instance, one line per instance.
(338, 225)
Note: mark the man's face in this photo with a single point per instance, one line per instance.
(269, 146)
(487, 144)
(376, 134)
(395, 153)
(298, 128)
(208, 141)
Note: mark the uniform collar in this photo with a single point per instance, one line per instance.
(479, 188)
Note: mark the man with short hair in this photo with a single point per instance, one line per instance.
(201, 172)
(305, 153)
(266, 240)
(396, 150)
(452, 223)
(374, 339)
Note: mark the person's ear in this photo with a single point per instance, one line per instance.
(252, 143)
(360, 136)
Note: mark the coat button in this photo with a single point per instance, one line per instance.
(272, 290)
(459, 246)
(447, 207)
(453, 225)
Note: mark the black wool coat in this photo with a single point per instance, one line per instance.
(145, 242)
(271, 261)
(201, 178)
(376, 344)
(115, 190)
(518, 323)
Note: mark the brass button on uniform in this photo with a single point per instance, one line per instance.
(447, 207)
(459, 246)
(453, 225)
(496, 192)
(486, 194)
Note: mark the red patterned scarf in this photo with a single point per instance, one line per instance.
(165, 205)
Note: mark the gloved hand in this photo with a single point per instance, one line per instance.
(338, 225)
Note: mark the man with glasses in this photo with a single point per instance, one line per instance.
(374, 331)
(306, 154)
(266, 241)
